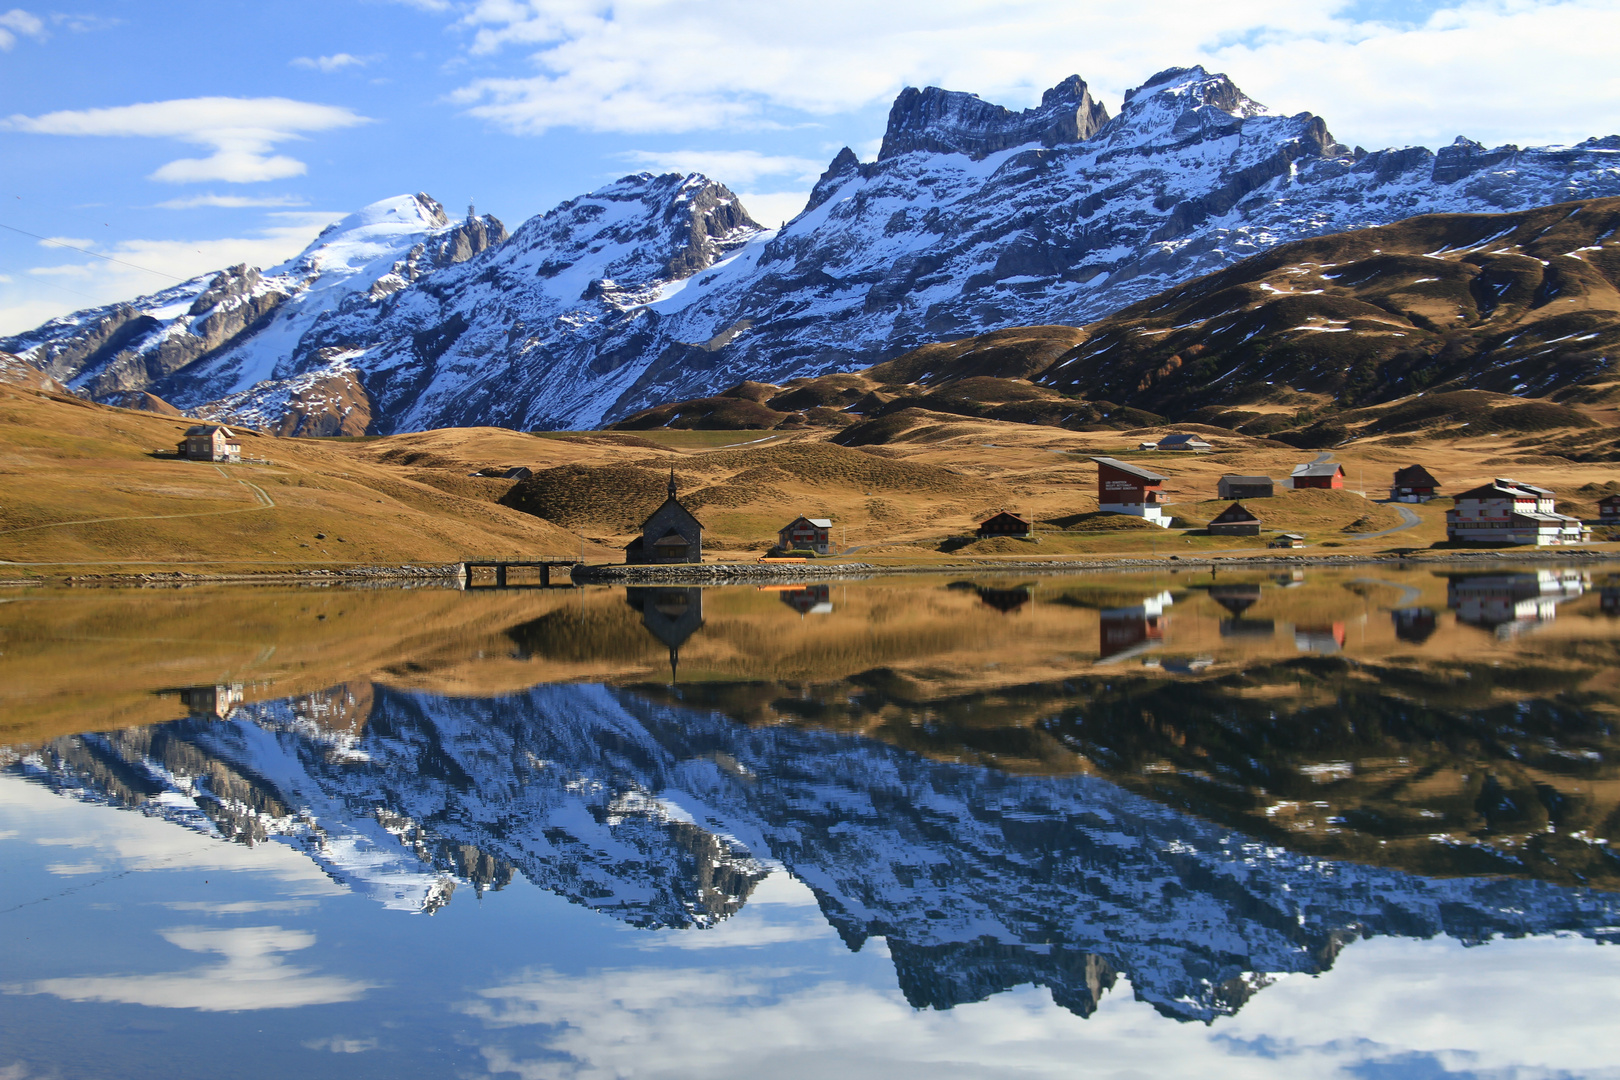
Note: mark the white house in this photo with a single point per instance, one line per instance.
(1508, 512)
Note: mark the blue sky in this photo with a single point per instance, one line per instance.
(258, 124)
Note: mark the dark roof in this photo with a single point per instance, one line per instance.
(1008, 514)
(1609, 500)
(209, 429)
(1234, 513)
(1182, 439)
(1246, 480)
(1318, 468)
(1125, 467)
(1499, 488)
(1415, 476)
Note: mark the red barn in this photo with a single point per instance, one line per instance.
(1123, 488)
(1318, 474)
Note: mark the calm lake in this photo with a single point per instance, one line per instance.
(1303, 823)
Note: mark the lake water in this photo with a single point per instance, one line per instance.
(1308, 823)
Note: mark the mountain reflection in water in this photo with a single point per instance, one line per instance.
(1198, 783)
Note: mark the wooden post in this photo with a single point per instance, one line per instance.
(545, 575)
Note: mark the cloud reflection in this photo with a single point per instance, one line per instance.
(1390, 1008)
(252, 975)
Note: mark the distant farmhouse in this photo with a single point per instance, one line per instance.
(210, 442)
(1123, 488)
(1180, 441)
(1609, 510)
(1288, 540)
(521, 472)
(1005, 523)
(1508, 512)
(670, 535)
(1235, 520)
(1318, 474)
(806, 534)
(1244, 487)
(1413, 484)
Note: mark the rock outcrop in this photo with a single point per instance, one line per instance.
(937, 121)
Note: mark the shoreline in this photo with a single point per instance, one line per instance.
(722, 573)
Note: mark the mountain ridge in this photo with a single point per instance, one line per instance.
(950, 232)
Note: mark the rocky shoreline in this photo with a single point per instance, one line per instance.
(449, 575)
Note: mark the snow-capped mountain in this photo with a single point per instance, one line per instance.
(973, 217)
(228, 332)
(666, 816)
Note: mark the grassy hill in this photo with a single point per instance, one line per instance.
(1457, 323)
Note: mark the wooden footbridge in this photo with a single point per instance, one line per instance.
(500, 570)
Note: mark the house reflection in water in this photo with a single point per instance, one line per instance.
(1237, 599)
(670, 615)
(1513, 603)
(808, 599)
(217, 701)
(1006, 601)
(1415, 624)
(1129, 631)
(1609, 600)
(1323, 638)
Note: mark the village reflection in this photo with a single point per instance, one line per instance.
(1510, 604)
(1124, 632)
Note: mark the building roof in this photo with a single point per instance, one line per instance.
(1004, 514)
(820, 523)
(209, 429)
(1505, 488)
(1182, 439)
(1290, 536)
(1318, 468)
(1125, 467)
(1608, 500)
(1235, 513)
(1415, 476)
(1246, 480)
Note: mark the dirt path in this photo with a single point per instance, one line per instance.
(261, 501)
(1408, 519)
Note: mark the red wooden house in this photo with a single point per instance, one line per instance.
(1123, 488)
(1318, 474)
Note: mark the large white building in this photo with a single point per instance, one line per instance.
(1508, 512)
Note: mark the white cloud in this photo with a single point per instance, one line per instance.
(231, 202)
(17, 21)
(651, 66)
(730, 166)
(337, 1044)
(252, 974)
(241, 131)
(771, 208)
(329, 64)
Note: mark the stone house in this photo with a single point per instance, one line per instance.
(210, 442)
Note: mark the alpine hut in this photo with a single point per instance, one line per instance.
(670, 535)
(1183, 441)
(1005, 523)
(1609, 510)
(1235, 520)
(1413, 484)
(1244, 487)
(210, 442)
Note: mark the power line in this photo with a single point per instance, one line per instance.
(87, 251)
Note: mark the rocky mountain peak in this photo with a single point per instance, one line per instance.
(952, 122)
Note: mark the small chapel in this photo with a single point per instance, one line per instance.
(670, 535)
